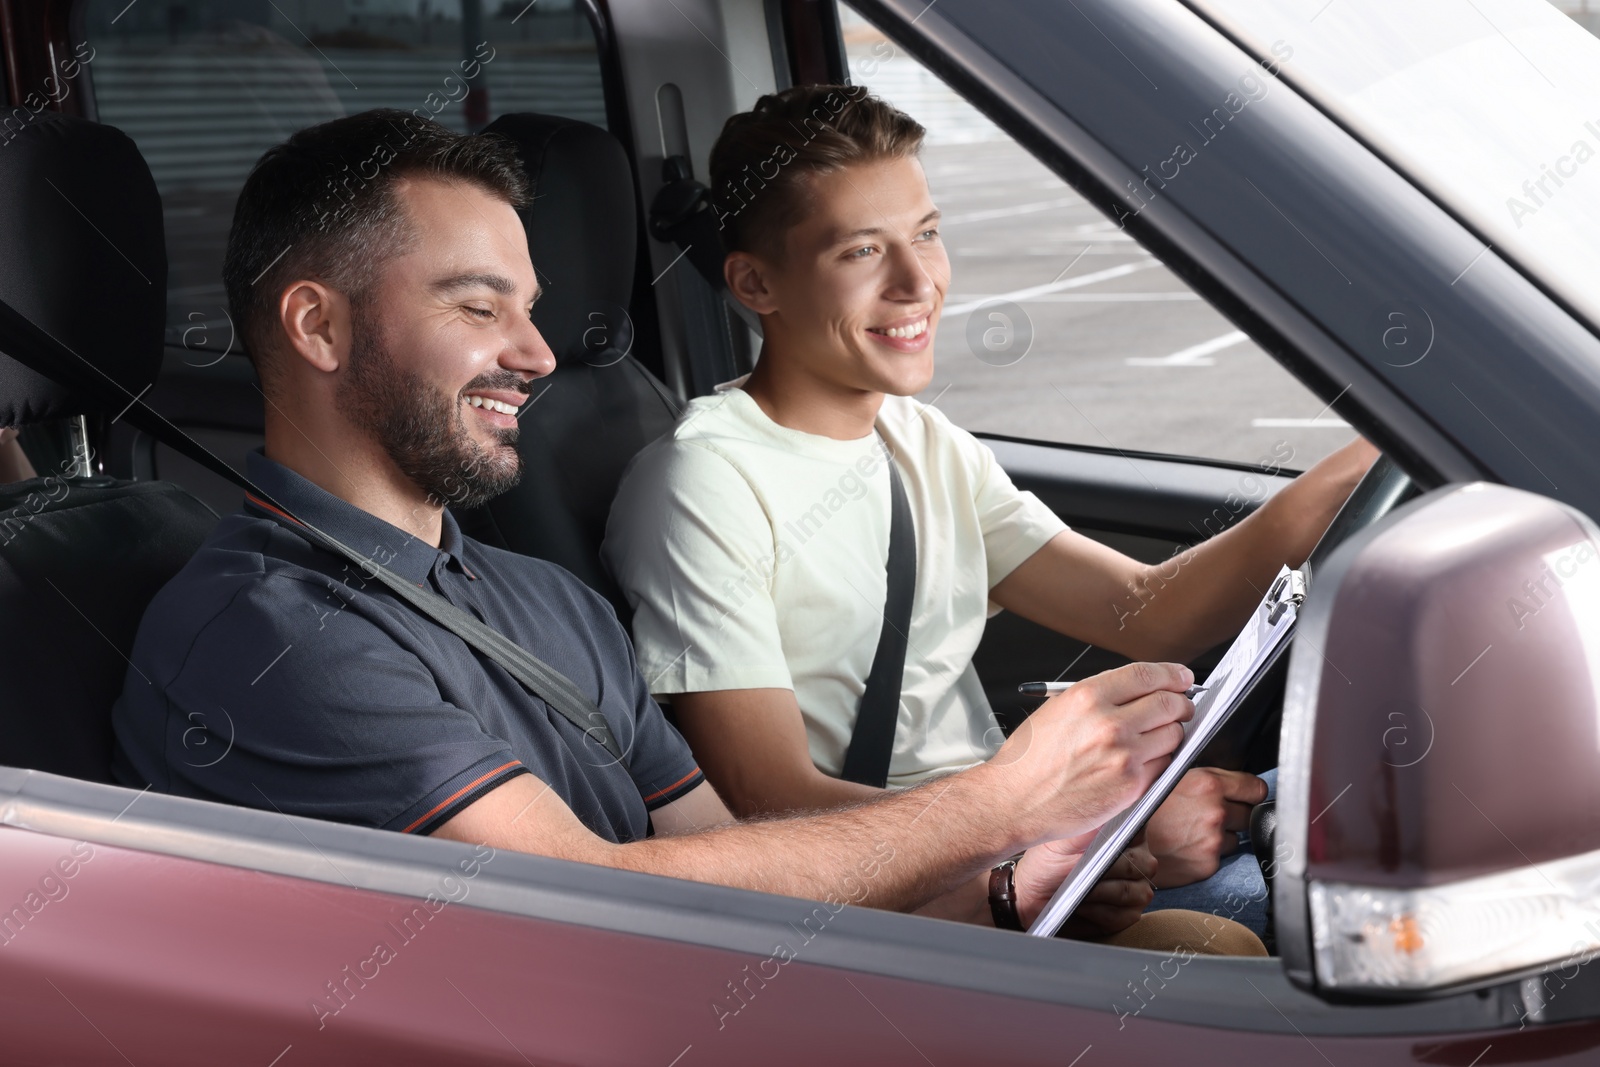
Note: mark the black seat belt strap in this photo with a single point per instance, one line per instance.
(30, 345)
(872, 741)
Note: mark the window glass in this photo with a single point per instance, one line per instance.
(1493, 106)
(205, 87)
(1059, 327)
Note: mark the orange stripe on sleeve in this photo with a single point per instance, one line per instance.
(663, 792)
(469, 787)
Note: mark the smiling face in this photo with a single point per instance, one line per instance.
(442, 349)
(853, 304)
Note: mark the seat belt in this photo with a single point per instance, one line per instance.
(872, 741)
(28, 344)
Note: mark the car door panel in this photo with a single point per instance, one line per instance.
(1168, 498)
(198, 932)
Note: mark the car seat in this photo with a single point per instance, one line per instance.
(84, 258)
(600, 406)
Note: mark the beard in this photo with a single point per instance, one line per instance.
(423, 429)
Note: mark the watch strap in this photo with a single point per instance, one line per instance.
(1003, 895)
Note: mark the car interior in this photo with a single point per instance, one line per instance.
(72, 591)
(1152, 367)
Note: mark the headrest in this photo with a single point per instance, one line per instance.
(82, 254)
(582, 232)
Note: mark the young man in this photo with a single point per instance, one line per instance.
(751, 541)
(388, 319)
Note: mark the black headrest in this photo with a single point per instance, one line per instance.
(582, 232)
(82, 254)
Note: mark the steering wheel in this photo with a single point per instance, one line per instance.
(1379, 491)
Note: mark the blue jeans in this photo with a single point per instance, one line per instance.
(1237, 891)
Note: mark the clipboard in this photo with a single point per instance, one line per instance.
(1256, 648)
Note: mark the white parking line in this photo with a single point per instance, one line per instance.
(1329, 423)
(972, 303)
(1194, 356)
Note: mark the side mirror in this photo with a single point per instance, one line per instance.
(1439, 787)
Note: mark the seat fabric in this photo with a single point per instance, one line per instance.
(82, 254)
(600, 406)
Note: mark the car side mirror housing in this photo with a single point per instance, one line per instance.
(1439, 782)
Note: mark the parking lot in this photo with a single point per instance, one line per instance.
(1059, 327)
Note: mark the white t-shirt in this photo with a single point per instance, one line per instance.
(754, 557)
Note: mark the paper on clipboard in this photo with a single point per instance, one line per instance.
(1227, 685)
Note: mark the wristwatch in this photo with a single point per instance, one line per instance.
(1003, 895)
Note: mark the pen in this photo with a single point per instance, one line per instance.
(1043, 689)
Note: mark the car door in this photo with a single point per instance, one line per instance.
(159, 930)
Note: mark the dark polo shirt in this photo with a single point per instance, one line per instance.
(272, 674)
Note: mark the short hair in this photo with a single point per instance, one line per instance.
(763, 159)
(323, 205)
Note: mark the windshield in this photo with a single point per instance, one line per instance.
(1493, 106)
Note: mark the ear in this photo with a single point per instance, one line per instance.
(750, 281)
(316, 322)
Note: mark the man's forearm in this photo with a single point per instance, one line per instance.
(807, 790)
(968, 902)
(1178, 616)
(902, 851)
(1078, 759)
(753, 747)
